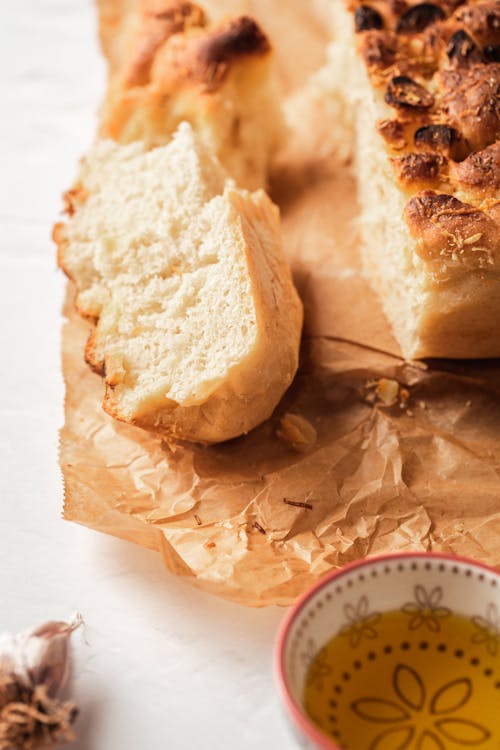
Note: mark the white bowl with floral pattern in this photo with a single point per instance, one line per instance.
(409, 713)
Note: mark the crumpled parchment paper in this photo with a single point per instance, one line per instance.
(253, 520)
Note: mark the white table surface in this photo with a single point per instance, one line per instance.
(158, 665)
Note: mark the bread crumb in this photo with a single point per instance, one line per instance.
(387, 391)
(297, 432)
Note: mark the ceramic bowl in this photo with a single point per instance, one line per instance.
(428, 589)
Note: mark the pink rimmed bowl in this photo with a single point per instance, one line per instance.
(428, 588)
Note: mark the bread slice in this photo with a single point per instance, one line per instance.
(198, 321)
(423, 82)
(167, 64)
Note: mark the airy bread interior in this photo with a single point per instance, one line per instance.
(392, 268)
(186, 277)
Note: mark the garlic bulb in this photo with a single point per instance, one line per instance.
(34, 666)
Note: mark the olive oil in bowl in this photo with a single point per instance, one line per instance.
(421, 678)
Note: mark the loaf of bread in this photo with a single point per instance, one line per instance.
(423, 82)
(197, 320)
(167, 64)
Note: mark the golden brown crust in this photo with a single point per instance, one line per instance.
(379, 50)
(60, 239)
(58, 235)
(393, 132)
(452, 232)
(482, 21)
(91, 358)
(159, 21)
(424, 168)
(111, 14)
(471, 103)
(73, 198)
(174, 67)
(172, 45)
(205, 59)
(437, 67)
(402, 92)
(215, 52)
(235, 38)
(441, 139)
(480, 171)
(419, 17)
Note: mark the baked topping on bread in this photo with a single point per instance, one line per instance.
(160, 21)
(404, 93)
(471, 102)
(481, 19)
(233, 39)
(441, 138)
(393, 132)
(452, 233)
(174, 66)
(461, 50)
(205, 60)
(445, 66)
(436, 66)
(419, 89)
(379, 50)
(480, 170)
(366, 18)
(419, 17)
(418, 167)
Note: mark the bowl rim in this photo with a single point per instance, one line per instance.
(292, 707)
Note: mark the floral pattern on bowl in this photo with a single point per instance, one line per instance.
(408, 711)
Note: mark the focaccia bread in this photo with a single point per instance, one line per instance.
(423, 83)
(167, 64)
(197, 320)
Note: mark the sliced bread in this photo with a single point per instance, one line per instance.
(197, 319)
(423, 83)
(167, 64)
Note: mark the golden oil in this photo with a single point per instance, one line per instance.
(418, 679)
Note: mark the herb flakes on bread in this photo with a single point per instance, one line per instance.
(423, 80)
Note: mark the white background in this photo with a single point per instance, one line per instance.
(158, 664)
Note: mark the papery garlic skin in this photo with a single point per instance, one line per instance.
(33, 668)
(39, 656)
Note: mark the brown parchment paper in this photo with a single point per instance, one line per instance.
(379, 479)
